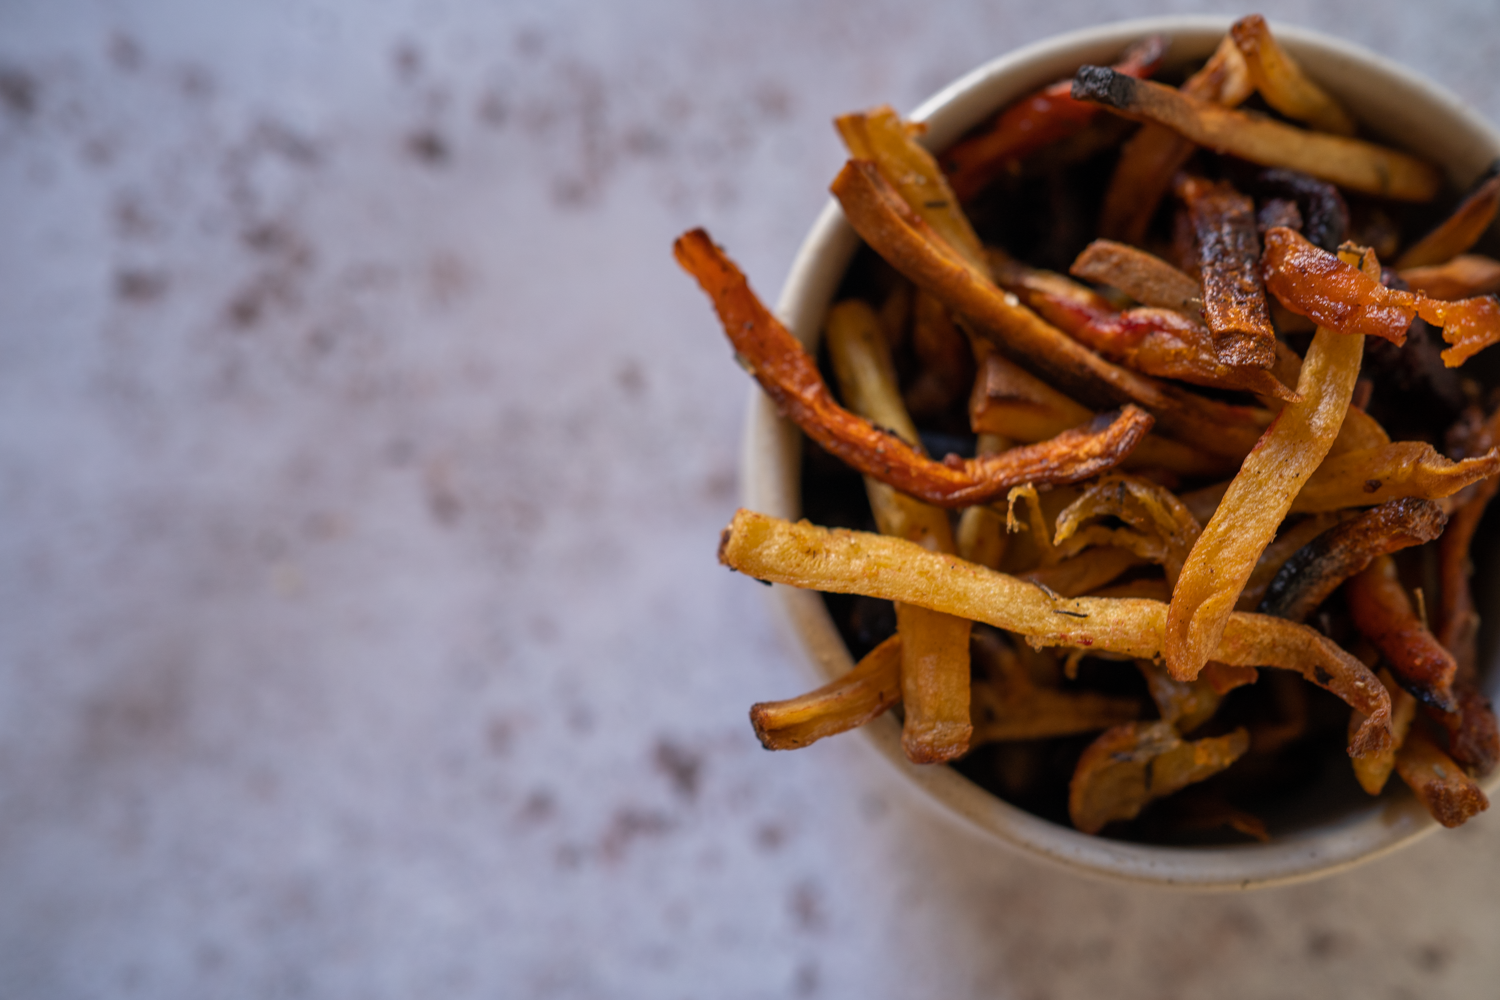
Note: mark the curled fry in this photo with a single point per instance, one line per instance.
(1449, 794)
(1462, 277)
(1127, 767)
(1283, 83)
(1389, 472)
(865, 692)
(1462, 229)
(1383, 613)
(1234, 295)
(790, 377)
(1144, 506)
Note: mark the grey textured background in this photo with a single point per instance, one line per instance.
(362, 458)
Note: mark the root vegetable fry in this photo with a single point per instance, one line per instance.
(790, 377)
(1442, 786)
(1145, 277)
(873, 686)
(1351, 163)
(934, 646)
(889, 226)
(854, 562)
(1010, 705)
(1462, 277)
(1383, 613)
(1084, 572)
(1257, 501)
(981, 529)
(1283, 547)
(1325, 214)
(1472, 730)
(1185, 704)
(1373, 771)
(1144, 506)
(1400, 469)
(1317, 569)
(947, 362)
(1282, 82)
(1234, 295)
(1462, 229)
(1127, 767)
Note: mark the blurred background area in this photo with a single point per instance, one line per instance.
(363, 455)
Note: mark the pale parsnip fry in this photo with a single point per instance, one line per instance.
(1129, 766)
(1148, 508)
(862, 694)
(1400, 469)
(1462, 277)
(1449, 794)
(1373, 771)
(1282, 82)
(1381, 610)
(1459, 231)
(1257, 501)
(1185, 704)
(790, 377)
(1145, 277)
(1359, 432)
(1234, 295)
(1351, 163)
(855, 562)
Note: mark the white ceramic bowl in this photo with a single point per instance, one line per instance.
(1395, 105)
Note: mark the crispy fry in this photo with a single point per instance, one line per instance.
(1359, 432)
(1151, 157)
(1040, 119)
(934, 647)
(1283, 83)
(1145, 277)
(1010, 705)
(1383, 613)
(1325, 215)
(1146, 507)
(1283, 547)
(1457, 619)
(914, 249)
(1223, 678)
(1448, 793)
(1257, 501)
(853, 562)
(1129, 766)
(1400, 469)
(1373, 771)
(790, 377)
(1318, 568)
(1462, 229)
(1234, 295)
(1351, 163)
(1472, 731)
(1084, 572)
(1462, 277)
(1186, 705)
(862, 694)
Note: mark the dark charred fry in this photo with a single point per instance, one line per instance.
(1462, 277)
(790, 377)
(1151, 157)
(1442, 786)
(1350, 163)
(1281, 81)
(1129, 766)
(1462, 229)
(1278, 212)
(1318, 568)
(1473, 736)
(1287, 544)
(1383, 613)
(886, 223)
(1234, 296)
(865, 692)
(1040, 119)
(1325, 215)
(1145, 277)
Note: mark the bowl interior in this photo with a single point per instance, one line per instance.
(1330, 834)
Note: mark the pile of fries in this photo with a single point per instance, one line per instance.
(1166, 470)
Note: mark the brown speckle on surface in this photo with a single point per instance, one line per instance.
(140, 287)
(426, 146)
(682, 766)
(18, 91)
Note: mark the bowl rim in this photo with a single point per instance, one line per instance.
(771, 450)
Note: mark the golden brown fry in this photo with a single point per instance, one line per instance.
(1282, 82)
(1373, 771)
(1186, 705)
(862, 694)
(981, 529)
(1258, 500)
(1442, 786)
(1459, 231)
(1148, 588)
(1234, 295)
(1129, 766)
(790, 377)
(1223, 678)
(1359, 432)
(855, 562)
(1400, 469)
(1151, 157)
(1351, 163)
(934, 647)
(947, 363)
(886, 223)
(1085, 572)
(1010, 705)
(1383, 614)
(1152, 511)
(1462, 277)
(1145, 277)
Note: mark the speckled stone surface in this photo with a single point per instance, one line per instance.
(362, 458)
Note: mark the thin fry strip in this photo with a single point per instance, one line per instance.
(864, 693)
(1283, 83)
(856, 562)
(790, 377)
(1145, 277)
(1144, 506)
(1462, 229)
(935, 647)
(1037, 120)
(1442, 786)
(1351, 163)
(981, 529)
(1283, 547)
(1383, 613)
(1373, 771)
(1390, 472)
(1462, 277)
(1317, 569)
(1151, 157)
(889, 226)
(1257, 501)
(1234, 295)
(1129, 766)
